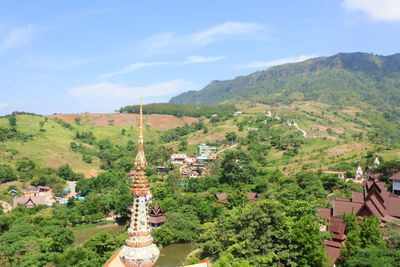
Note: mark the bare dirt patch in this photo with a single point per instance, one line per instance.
(89, 173)
(153, 120)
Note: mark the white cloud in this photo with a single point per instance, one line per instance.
(384, 10)
(170, 43)
(138, 65)
(114, 94)
(201, 59)
(4, 105)
(132, 67)
(18, 36)
(266, 64)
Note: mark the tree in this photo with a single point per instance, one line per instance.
(101, 244)
(374, 256)
(6, 173)
(183, 145)
(13, 122)
(77, 121)
(60, 237)
(231, 136)
(41, 124)
(370, 234)
(308, 242)
(393, 234)
(352, 245)
(66, 172)
(236, 167)
(123, 131)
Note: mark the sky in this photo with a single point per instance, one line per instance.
(96, 56)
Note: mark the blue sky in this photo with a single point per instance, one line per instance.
(96, 56)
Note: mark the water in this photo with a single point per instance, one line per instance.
(173, 255)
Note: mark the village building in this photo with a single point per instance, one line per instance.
(194, 174)
(13, 192)
(29, 201)
(139, 249)
(204, 150)
(156, 218)
(395, 179)
(223, 197)
(36, 191)
(190, 159)
(252, 196)
(237, 114)
(178, 159)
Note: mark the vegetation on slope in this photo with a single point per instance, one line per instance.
(181, 110)
(368, 82)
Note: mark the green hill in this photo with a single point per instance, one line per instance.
(367, 82)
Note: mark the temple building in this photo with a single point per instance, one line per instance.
(359, 174)
(377, 162)
(139, 249)
(157, 217)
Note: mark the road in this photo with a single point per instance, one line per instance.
(301, 130)
(229, 147)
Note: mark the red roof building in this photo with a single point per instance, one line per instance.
(222, 196)
(252, 196)
(29, 201)
(156, 218)
(332, 248)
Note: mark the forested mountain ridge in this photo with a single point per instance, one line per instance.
(370, 83)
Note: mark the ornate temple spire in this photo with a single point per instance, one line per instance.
(139, 249)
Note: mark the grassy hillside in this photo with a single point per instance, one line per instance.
(366, 82)
(50, 146)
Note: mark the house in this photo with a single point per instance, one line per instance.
(190, 159)
(237, 114)
(162, 169)
(252, 129)
(201, 159)
(252, 196)
(395, 179)
(204, 150)
(29, 201)
(194, 174)
(178, 159)
(377, 162)
(13, 192)
(36, 191)
(223, 197)
(156, 218)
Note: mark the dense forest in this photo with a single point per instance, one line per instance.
(181, 110)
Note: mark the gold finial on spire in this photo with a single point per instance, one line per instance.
(141, 123)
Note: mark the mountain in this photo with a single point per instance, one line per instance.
(368, 82)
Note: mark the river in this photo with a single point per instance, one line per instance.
(173, 255)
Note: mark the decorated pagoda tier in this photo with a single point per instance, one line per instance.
(139, 249)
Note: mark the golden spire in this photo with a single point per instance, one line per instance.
(140, 162)
(141, 123)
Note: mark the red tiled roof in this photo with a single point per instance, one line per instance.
(340, 207)
(393, 206)
(222, 196)
(156, 215)
(252, 196)
(337, 225)
(29, 201)
(332, 249)
(396, 177)
(324, 212)
(157, 220)
(357, 197)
